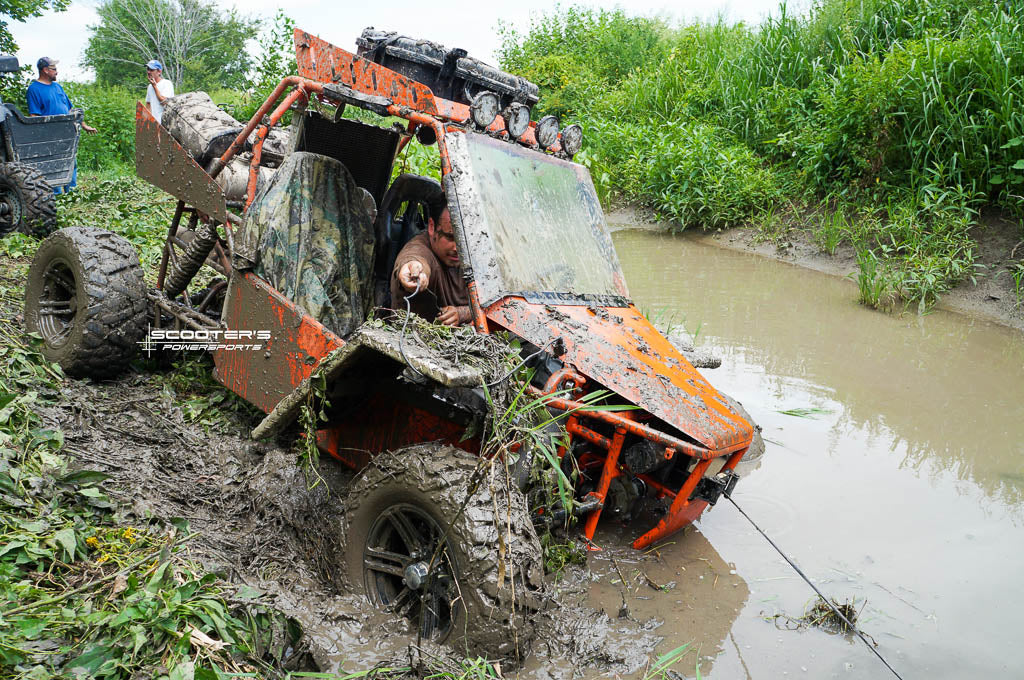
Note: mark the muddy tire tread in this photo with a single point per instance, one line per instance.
(110, 283)
(443, 473)
(39, 208)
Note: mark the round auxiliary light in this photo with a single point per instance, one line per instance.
(547, 131)
(484, 109)
(517, 119)
(572, 139)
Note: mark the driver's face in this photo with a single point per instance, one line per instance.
(442, 239)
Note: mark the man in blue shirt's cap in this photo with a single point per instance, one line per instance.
(47, 98)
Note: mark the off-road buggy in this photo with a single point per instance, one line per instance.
(300, 263)
(37, 155)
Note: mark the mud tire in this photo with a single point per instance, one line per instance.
(94, 279)
(33, 209)
(487, 618)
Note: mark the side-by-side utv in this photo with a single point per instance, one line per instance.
(37, 155)
(295, 254)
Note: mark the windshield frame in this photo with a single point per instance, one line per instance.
(479, 253)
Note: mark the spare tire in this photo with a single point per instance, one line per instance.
(28, 197)
(445, 539)
(86, 297)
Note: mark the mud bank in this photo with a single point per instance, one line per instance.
(991, 295)
(259, 523)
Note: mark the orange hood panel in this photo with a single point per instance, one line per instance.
(620, 349)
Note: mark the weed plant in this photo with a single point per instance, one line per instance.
(88, 595)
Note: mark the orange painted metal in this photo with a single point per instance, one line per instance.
(683, 511)
(573, 426)
(257, 118)
(261, 137)
(321, 61)
(619, 349)
(638, 429)
(479, 320)
(567, 376)
(609, 472)
(297, 343)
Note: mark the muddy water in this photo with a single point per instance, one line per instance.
(903, 488)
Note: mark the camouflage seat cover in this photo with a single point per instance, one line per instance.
(309, 234)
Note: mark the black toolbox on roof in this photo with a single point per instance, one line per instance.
(449, 74)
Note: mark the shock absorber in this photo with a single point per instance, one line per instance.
(191, 260)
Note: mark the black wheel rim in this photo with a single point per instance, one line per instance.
(400, 537)
(57, 303)
(11, 217)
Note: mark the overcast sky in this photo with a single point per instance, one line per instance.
(470, 25)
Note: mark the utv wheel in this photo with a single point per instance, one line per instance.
(474, 587)
(26, 201)
(86, 297)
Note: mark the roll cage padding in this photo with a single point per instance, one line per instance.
(396, 226)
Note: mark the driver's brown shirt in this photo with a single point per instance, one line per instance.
(445, 286)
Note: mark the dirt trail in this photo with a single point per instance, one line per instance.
(260, 525)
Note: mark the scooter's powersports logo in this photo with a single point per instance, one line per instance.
(191, 340)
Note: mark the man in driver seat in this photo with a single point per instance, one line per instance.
(430, 260)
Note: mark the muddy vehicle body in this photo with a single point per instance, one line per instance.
(37, 155)
(421, 528)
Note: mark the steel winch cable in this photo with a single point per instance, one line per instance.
(815, 588)
(405, 326)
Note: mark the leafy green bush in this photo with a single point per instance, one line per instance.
(857, 103)
(111, 110)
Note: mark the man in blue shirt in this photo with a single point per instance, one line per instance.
(47, 98)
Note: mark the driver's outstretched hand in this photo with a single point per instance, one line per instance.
(412, 274)
(454, 316)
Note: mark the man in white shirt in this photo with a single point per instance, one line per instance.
(160, 89)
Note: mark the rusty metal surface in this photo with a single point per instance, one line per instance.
(321, 61)
(165, 164)
(620, 349)
(297, 343)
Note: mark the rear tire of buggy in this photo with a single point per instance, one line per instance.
(487, 582)
(86, 297)
(32, 208)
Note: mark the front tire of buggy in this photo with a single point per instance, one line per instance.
(475, 586)
(29, 201)
(85, 296)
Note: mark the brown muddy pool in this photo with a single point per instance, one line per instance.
(898, 482)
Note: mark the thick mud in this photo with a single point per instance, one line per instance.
(258, 522)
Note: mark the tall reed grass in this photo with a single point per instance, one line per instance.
(905, 115)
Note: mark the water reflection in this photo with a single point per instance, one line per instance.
(889, 376)
(683, 583)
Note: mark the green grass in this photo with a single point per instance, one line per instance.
(86, 593)
(882, 124)
(805, 412)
